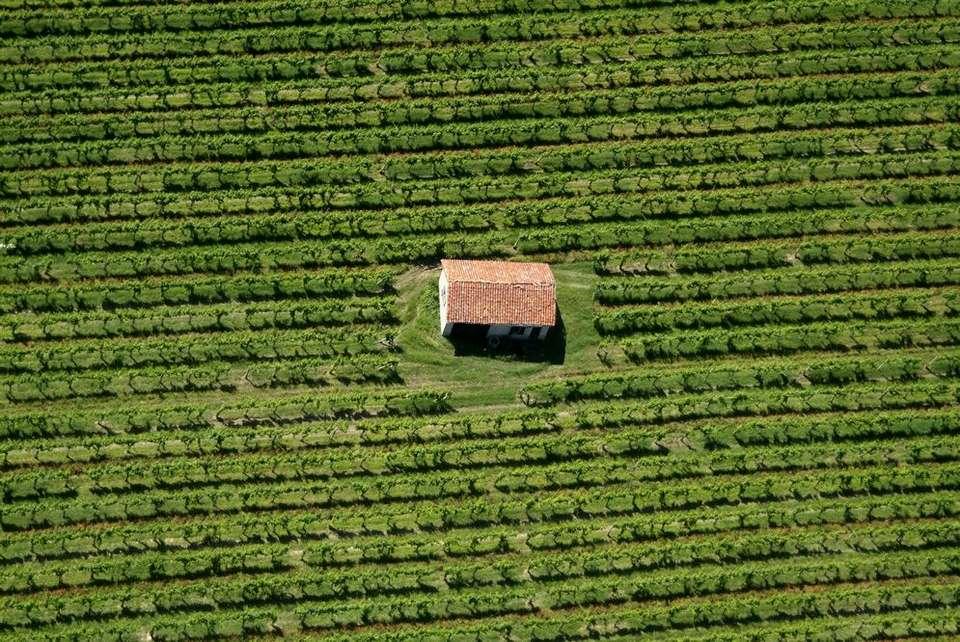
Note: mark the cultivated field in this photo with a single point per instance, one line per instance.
(226, 410)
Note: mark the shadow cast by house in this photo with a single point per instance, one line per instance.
(474, 339)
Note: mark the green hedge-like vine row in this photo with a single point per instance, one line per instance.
(124, 129)
(459, 59)
(773, 282)
(575, 75)
(219, 376)
(175, 320)
(751, 550)
(148, 293)
(193, 349)
(775, 373)
(762, 255)
(285, 409)
(315, 614)
(150, 186)
(670, 205)
(785, 339)
(921, 303)
(533, 130)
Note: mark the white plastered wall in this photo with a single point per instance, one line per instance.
(445, 328)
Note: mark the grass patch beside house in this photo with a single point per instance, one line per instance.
(429, 359)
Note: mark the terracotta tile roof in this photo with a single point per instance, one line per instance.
(504, 292)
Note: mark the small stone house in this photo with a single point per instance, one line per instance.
(514, 300)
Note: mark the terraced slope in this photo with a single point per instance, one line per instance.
(225, 410)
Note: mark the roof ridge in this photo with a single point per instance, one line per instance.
(486, 271)
(481, 280)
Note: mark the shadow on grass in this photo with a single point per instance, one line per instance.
(471, 340)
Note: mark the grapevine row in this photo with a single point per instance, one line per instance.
(733, 228)
(125, 129)
(175, 95)
(480, 189)
(314, 614)
(770, 373)
(424, 248)
(295, 285)
(132, 418)
(218, 376)
(898, 612)
(307, 225)
(752, 256)
(175, 320)
(840, 337)
(506, 471)
(459, 59)
(450, 499)
(125, 543)
(535, 130)
(367, 441)
(240, 14)
(751, 550)
(476, 163)
(768, 22)
(772, 310)
(191, 349)
(530, 27)
(774, 282)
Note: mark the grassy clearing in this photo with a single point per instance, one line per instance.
(429, 359)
